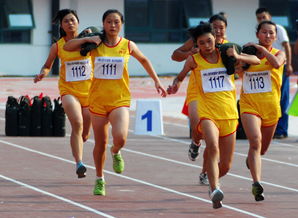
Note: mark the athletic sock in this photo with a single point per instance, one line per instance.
(115, 153)
(100, 177)
(79, 164)
(197, 144)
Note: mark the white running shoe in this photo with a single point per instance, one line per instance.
(216, 197)
(203, 179)
(193, 151)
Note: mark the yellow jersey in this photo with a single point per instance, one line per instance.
(216, 90)
(261, 85)
(110, 85)
(192, 92)
(75, 72)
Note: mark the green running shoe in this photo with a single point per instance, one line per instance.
(99, 188)
(118, 163)
(257, 191)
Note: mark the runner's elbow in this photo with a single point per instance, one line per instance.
(175, 57)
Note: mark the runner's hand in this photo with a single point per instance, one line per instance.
(160, 89)
(38, 77)
(172, 89)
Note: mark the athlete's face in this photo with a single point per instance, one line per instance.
(112, 24)
(267, 34)
(206, 43)
(263, 16)
(70, 23)
(220, 30)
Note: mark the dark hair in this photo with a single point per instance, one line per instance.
(224, 14)
(107, 13)
(199, 30)
(266, 22)
(218, 17)
(59, 17)
(112, 11)
(262, 10)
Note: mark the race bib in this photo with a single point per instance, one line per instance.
(108, 67)
(216, 80)
(78, 70)
(257, 82)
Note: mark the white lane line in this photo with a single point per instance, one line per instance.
(237, 153)
(195, 166)
(271, 160)
(191, 165)
(56, 196)
(285, 144)
(240, 154)
(184, 194)
(132, 179)
(273, 141)
(176, 124)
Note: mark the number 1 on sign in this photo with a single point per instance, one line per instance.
(148, 116)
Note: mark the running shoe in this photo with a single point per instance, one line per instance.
(216, 197)
(204, 179)
(118, 162)
(81, 171)
(257, 191)
(193, 151)
(99, 188)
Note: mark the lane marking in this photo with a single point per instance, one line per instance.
(186, 126)
(271, 160)
(132, 179)
(195, 166)
(237, 153)
(176, 124)
(56, 196)
(285, 144)
(272, 142)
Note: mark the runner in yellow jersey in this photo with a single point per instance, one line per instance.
(219, 24)
(74, 83)
(111, 77)
(260, 101)
(109, 94)
(217, 105)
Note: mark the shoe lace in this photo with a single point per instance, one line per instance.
(100, 184)
(117, 157)
(194, 148)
